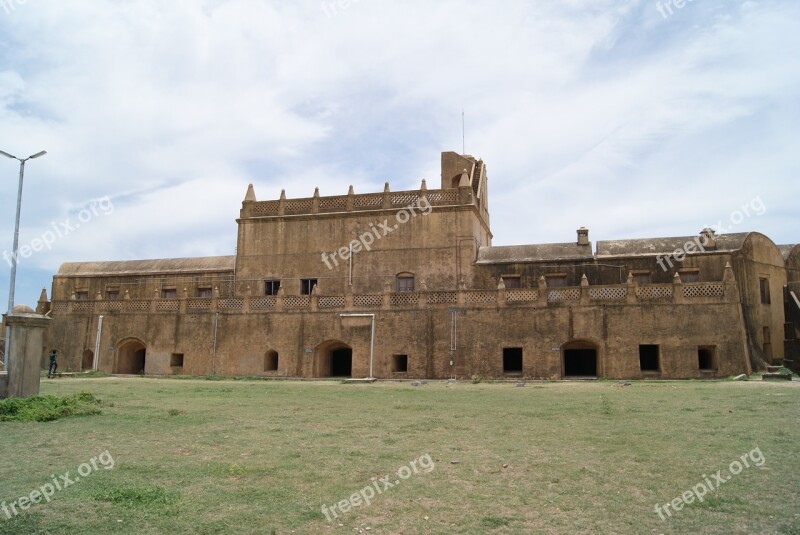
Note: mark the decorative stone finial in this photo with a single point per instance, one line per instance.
(584, 280)
(676, 279)
(350, 190)
(502, 284)
(250, 196)
(424, 186)
(464, 181)
(283, 194)
(386, 187)
(316, 192)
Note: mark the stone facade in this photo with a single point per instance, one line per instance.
(312, 276)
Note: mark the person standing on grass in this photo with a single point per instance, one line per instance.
(53, 364)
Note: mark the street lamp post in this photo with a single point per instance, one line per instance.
(16, 245)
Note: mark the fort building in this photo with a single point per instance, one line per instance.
(407, 284)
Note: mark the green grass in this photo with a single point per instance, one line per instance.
(48, 408)
(199, 456)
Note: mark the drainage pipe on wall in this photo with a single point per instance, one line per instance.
(371, 336)
(96, 359)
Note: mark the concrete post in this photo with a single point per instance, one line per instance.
(25, 352)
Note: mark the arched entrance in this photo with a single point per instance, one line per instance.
(579, 359)
(334, 359)
(131, 357)
(87, 362)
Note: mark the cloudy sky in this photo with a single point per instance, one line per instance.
(633, 118)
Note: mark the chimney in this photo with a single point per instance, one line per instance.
(583, 236)
(708, 238)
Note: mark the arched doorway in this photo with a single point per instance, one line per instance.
(579, 359)
(87, 362)
(271, 361)
(131, 357)
(334, 359)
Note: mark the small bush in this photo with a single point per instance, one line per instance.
(48, 408)
(136, 497)
(476, 379)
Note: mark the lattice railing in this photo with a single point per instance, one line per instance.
(332, 301)
(564, 294)
(138, 305)
(654, 292)
(263, 302)
(704, 290)
(296, 301)
(82, 306)
(60, 306)
(521, 295)
(440, 197)
(199, 304)
(266, 207)
(368, 301)
(331, 204)
(404, 299)
(233, 303)
(481, 296)
(442, 298)
(108, 306)
(171, 305)
(404, 199)
(607, 294)
(368, 201)
(297, 206)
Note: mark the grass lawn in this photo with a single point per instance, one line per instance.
(198, 456)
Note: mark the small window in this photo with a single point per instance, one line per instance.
(405, 283)
(556, 280)
(400, 363)
(204, 292)
(271, 286)
(642, 277)
(271, 361)
(512, 360)
(764, 288)
(307, 285)
(82, 295)
(767, 344)
(169, 293)
(112, 294)
(689, 275)
(512, 281)
(176, 360)
(707, 358)
(648, 358)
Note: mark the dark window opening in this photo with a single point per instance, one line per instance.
(176, 360)
(580, 363)
(642, 277)
(400, 363)
(82, 295)
(271, 287)
(169, 293)
(512, 281)
(112, 294)
(648, 358)
(405, 283)
(271, 361)
(512, 360)
(763, 286)
(204, 292)
(692, 275)
(307, 285)
(707, 358)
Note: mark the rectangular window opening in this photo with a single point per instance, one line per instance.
(512, 281)
(82, 295)
(176, 360)
(400, 363)
(512, 360)
(689, 275)
(271, 286)
(169, 293)
(649, 358)
(112, 294)
(707, 358)
(307, 285)
(763, 286)
(204, 292)
(642, 277)
(556, 280)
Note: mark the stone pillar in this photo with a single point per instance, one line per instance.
(25, 351)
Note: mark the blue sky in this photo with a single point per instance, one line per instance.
(605, 114)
